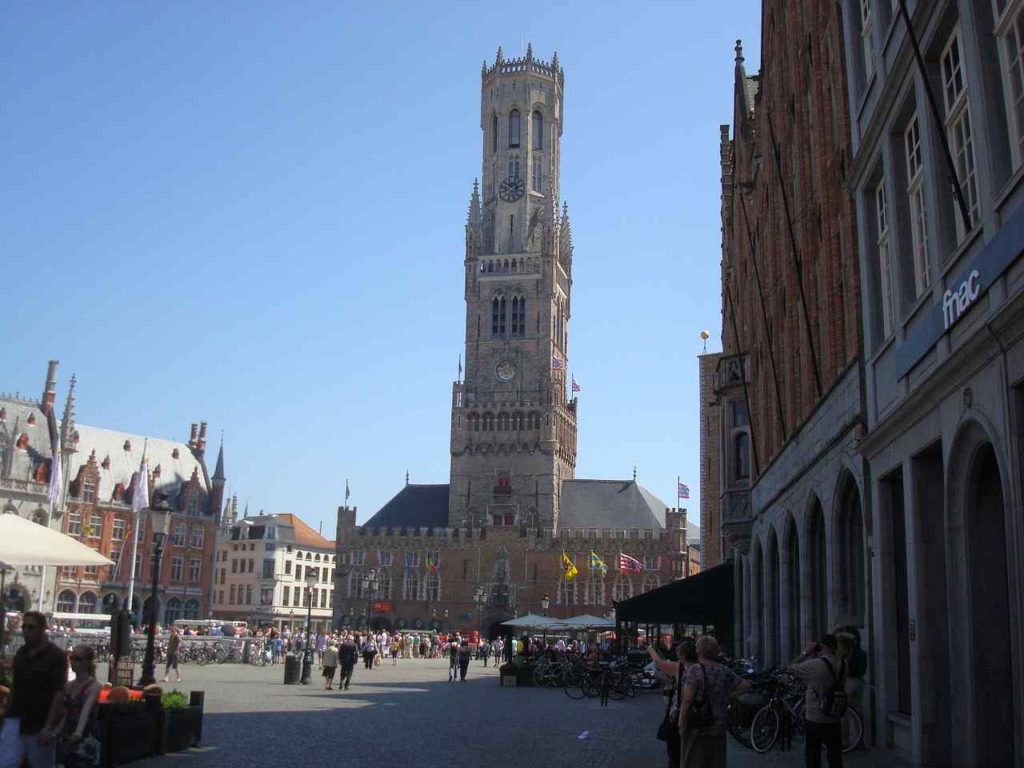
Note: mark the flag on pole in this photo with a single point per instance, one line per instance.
(431, 566)
(568, 567)
(575, 386)
(460, 366)
(140, 492)
(684, 491)
(597, 564)
(629, 564)
(347, 494)
(556, 363)
(56, 477)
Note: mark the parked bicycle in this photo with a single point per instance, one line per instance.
(783, 716)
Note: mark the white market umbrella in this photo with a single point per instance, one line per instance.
(586, 621)
(23, 542)
(531, 621)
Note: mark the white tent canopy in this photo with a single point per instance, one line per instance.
(584, 621)
(23, 542)
(532, 621)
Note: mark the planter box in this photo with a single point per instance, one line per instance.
(183, 727)
(508, 681)
(128, 733)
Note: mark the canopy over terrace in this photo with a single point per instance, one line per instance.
(704, 599)
(584, 622)
(533, 621)
(23, 542)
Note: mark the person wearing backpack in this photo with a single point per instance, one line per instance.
(825, 702)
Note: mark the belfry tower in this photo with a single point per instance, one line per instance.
(513, 430)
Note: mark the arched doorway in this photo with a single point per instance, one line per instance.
(772, 608)
(66, 602)
(989, 603)
(849, 555)
(794, 627)
(817, 569)
(87, 602)
(192, 609)
(757, 602)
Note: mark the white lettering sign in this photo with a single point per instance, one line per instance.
(955, 303)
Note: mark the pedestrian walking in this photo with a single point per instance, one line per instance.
(348, 653)
(80, 736)
(330, 659)
(465, 654)
(707, 686)
(173, 651)
(453, 660)
(686, 652)
(36, 703)
(825, 701)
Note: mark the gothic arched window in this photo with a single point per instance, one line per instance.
(538, 130)
(513, 128)
(515, 316)
(741, 445)
(503, 422)
(488, 422)
(495, 315)
(502, 315)
(494, 133)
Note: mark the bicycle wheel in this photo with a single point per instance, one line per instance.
(764, 729)
(618, 687)
(574, 687)
(540, 677)
(853, 729)
(735, 725)
(591, 686)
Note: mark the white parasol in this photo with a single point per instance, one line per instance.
(23, 542)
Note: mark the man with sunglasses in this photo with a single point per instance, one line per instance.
(36, 705)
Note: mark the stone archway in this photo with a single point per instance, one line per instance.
(989, 604)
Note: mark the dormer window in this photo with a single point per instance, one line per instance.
(513, 128)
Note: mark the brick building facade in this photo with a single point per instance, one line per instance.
(488, 545)
(789, 379)
(712, 545)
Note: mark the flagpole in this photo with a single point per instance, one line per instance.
(677, 492)
(138, 504)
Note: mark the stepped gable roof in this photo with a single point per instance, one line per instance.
(302, 534)
(415, 506)
(17, 415)
(615, 504)
(125, 453)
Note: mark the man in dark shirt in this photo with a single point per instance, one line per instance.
(36, 705)
(347, 656)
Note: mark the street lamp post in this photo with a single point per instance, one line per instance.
(160, 518)
(307, 648)
(480, 598)
(370, 583)
(291, 623)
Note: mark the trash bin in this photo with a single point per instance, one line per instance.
(292, 668)
(246, 646)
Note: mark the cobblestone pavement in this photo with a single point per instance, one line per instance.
(411, 715)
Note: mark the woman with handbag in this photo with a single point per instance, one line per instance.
(668, 730)
(79, 744)
(707, 686)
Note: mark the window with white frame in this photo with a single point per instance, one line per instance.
(95, 526)
(566, 592)
(595, 590)
(197, 537)
(958, 129)
(117, 530)
(412, 587)
(1009, 30)
(178, 539)
(195, 570)
(918, 209)
(884, 259)
(74, 523)
(358, 557)
(177, 566)
(866, 29)
(623, 589)
(385, 558)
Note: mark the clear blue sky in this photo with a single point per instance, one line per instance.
(252, 214)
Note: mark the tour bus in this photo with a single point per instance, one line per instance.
(212, 627)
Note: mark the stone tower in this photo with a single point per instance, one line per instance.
(513, 429)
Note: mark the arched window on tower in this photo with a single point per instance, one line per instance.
(495, 315)
(513, 166)
(494, 133)
(501, 317)
(538, 176)
(488, 422)
(741, 443)
(513, 128)
(515, 315)
(538, 130)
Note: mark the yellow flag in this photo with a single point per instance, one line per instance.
(569, 567)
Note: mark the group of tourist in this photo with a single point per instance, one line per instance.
(49, 714)
(832, 669)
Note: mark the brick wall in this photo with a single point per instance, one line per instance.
(710, 465)
(801, 99)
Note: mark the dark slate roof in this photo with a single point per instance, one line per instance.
(617, 504)
(415, 506)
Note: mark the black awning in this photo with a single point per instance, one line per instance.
(704, 598)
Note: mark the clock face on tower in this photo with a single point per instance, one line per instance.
(512, 189)
(505, 370)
